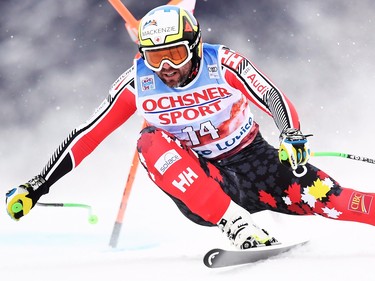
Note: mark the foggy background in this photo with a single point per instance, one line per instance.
(59, 58)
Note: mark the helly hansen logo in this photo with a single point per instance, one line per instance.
(185, 179)
(231, 59)
(360, 202)
(167, 160)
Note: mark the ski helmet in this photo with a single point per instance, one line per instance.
(169, 34)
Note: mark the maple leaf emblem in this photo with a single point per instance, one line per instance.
(294, 192)
(308, 198)
(287, 200)
(214, 173)
(267, 198)
(142, 159)
(319, 189)
(166, 137)
(331, 213)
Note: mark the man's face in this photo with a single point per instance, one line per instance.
(171, 63)
(174, 77)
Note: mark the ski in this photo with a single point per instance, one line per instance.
(216, 258)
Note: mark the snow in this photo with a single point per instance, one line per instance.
(335, 252)
(156, 241)
(320, 53)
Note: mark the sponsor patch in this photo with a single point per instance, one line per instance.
(360, 202)
(147, 82)
(187, 107)
(167, 160)
(213, 71)
(158, 30)
(231, 59)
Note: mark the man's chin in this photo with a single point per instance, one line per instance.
(172, 83)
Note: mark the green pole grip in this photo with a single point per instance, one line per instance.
(93, 219)
(338, 154)
(345, 155)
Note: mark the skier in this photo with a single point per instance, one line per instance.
(211, 158)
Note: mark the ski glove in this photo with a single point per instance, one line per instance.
(294, 150)
(20, 200)
(239, 227)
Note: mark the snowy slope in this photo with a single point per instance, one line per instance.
(320, 53)
(157, 243)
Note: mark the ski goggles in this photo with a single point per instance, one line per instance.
(176, 55)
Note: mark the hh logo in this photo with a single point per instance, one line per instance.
(231, 59)
(360, 202)
(185, 179)
(147, 82)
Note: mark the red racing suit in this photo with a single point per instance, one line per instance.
(202, 146)
(237, 72)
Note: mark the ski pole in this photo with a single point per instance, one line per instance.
(124, 201)
(131, 24)
(92, 219)
(344, 155)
